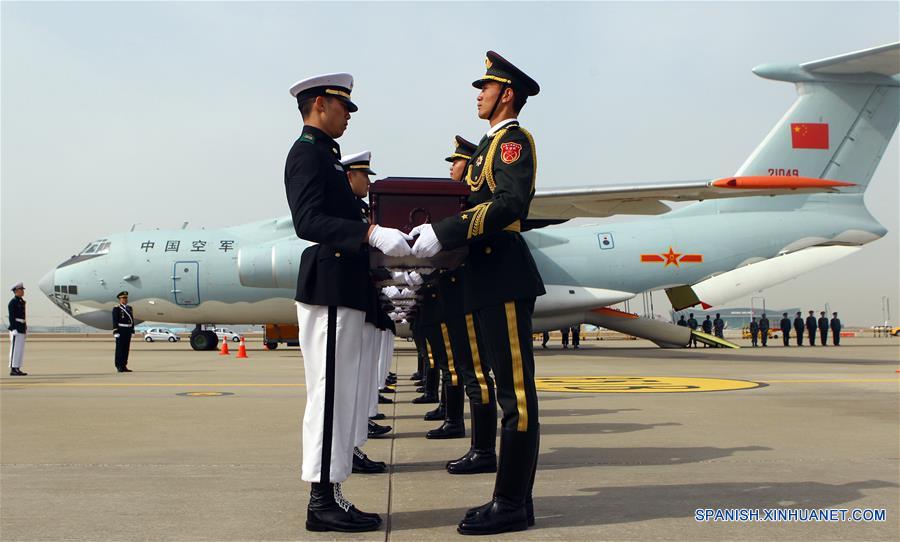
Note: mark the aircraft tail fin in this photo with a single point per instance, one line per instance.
(845, 114)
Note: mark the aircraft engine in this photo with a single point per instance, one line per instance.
(270, 265)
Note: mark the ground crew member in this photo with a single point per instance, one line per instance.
(565, 337)
(823, 328)
(811, 325)
(798, 328)
(123, 329)
(764, 329)
(692, 323)
(332, 290)
(719, 326)
(502, 282)
(835, 329)
(17, 330)
(681, 321)
(707, 328)
(358, 170)
(785, 325)
(754, 330)
(576, 336)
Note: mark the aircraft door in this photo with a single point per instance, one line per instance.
(186, 283)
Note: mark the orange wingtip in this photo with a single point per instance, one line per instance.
(614, 313)
(778, 183)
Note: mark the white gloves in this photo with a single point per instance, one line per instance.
(391, 292)
(427, 245)
(390, 241)
(411, 278)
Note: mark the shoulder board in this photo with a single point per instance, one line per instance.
(307, 138)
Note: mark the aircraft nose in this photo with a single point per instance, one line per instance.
(46, 283)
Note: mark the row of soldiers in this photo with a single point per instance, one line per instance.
(759, 330)
(474, 322)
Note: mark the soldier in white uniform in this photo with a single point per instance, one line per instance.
(332, 288)
(17, 330)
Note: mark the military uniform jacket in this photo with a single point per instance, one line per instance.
(764, 324)
(823, 323)
(810, 322)
(501, 175)
(692, 323)
(836, 325)
(754, 327)
(123, 319)
(430, 311)
(335, 271)
(17, 315)
(451, 291)
(785, 324)
(798, 323)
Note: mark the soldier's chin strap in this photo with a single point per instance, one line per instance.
(497, 101)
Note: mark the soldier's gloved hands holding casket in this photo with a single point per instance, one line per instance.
(427, 245)
(391, 292)
(390, 241)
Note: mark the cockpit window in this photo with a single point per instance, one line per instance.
(101, 246)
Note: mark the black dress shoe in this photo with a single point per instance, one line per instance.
(392, 374)
(363, 465)
(15, 371)
(448, 430)
(419, 383)
(436, 414)
(328, 510)
(382, 400)
(125, 370)
(415, 376)
(376, 430)
(379, 416)
(387, 390)
(427, 398)
(529, 510)
(474, 462)
(420, 389)
(497, 516)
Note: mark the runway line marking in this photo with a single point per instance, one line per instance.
(145, 385)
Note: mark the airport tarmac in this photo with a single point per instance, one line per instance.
(90, 454)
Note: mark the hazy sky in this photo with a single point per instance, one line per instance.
(160, 113)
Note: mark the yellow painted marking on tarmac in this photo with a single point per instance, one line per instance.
(145, 385)
(640, 384)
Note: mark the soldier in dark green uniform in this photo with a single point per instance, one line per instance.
(501, 284)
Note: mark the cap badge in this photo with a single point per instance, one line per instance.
(488, 63)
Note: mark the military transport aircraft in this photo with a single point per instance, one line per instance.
(817, 160)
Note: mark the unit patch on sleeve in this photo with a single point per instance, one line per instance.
(510, 152)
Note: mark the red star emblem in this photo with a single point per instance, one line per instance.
(671, 258)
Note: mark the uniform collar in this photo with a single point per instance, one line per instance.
(500, 125)
(321, 138)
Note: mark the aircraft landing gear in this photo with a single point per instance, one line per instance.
(202, 339)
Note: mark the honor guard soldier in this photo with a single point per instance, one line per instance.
(798, 328)
(719, 326)
(764, 330)
(501, 284)
(754, 331)
(811, 325)
(332, 293)
(707, 328)
(823, 328)
(17, 330)
(358, 170)
(835, 329)
(692, 323)
(785, 329)
(123, 329)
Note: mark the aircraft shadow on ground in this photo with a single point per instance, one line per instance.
(548, 413)
(574, 458)
(576, 429)
(613, 505)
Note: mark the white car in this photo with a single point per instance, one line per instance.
(160, 334)
(227, 335)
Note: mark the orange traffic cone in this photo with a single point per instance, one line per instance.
(242, 350)
(224, 351)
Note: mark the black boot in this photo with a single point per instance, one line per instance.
(415, 376)
(382, 400)
(454, 426)
(430, 391)
(363, 465)
(482, 456)
(507, 510)
(441, 410)
(328, 510)
(377, 431)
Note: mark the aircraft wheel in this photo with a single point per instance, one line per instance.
(204, 340)
(272, 345)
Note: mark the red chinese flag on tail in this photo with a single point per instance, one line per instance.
(809, 135)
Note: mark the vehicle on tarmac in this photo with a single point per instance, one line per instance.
(801, 192)
(227, 335)
(160, 334)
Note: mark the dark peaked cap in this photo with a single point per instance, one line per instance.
(502, 71)
(463, 151)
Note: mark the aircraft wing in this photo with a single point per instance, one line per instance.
(647, 199)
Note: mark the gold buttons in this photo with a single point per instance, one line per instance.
(452, 279)
(433, 295)
(487, 250)
(337, 254)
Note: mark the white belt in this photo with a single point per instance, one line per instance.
(20, 320)
(124, 325)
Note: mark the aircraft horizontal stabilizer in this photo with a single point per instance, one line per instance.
(647, 199)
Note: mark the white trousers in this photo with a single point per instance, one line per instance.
(368, 382)
(385, 357)
(330, 339)
(16, 349)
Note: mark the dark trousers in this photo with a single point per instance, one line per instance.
(753, 335)
(565, 337)
(835, 337)
(800, 337)
(123, 346)
(506, 335)
(812, 336)
(470, 365)
(764, 336)
(823, 335)
(786, 336)
(576, 336)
